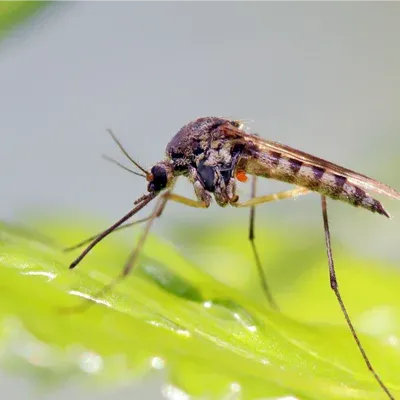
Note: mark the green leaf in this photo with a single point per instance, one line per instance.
(13, 13)
(211, 339)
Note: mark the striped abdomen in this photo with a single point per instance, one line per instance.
(315, 178)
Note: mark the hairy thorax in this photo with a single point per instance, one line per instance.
(202, 152)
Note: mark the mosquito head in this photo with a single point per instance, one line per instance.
(160, 176)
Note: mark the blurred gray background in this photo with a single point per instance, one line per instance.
(323, 77)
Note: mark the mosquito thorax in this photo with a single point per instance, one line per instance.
(194, 139)
(160, 176)
(202, 143)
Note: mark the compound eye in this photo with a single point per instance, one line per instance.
(159, 179)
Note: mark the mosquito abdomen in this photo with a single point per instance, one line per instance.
(339, 188)
(316, 178)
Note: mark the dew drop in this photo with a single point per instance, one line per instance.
(157, 363)
(228, 310)
(170, 326)
(393, 340)
(90, 363)
(235, 387)
(207, 304)
(171, 392)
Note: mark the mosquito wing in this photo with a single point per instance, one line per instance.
(353, 177)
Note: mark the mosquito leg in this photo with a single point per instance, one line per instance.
(159, 208)
(335, 288)
(252, 203)
(172, 196)
(144, 201)
(188, 202)
(131, 262)
(93, 237)
(272, 197)
(261, 273)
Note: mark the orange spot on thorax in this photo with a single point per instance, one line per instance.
(241, 176)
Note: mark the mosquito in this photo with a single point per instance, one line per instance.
(214, 153)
